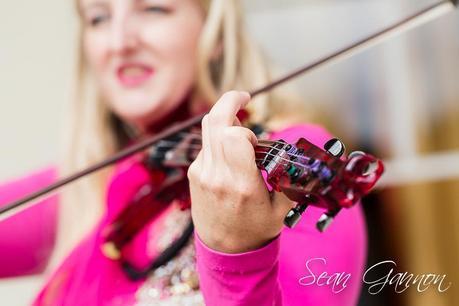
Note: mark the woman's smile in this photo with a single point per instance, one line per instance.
(134, 74)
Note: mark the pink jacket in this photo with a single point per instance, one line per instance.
(300, 267)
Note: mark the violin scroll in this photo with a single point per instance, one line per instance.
(309, 175)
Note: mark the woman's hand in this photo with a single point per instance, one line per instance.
(232, 209)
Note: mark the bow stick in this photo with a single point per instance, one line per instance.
(425, 15)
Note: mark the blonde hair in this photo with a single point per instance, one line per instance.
(92, 133)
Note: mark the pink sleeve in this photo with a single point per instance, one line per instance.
(291, 269)
(27, 239)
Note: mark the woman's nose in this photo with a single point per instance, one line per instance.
(123, 36)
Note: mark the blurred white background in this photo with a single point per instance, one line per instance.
(36, 53)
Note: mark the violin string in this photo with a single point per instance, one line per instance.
(172, 144)
(265, 153)
(260, 141)
(261, 145)
(299, 165)
(164, 144)
(199, 135)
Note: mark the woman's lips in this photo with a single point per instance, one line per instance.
(132, 75)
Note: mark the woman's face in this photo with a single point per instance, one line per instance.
(143, 54)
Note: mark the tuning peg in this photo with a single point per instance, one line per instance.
(326, 219)
(294, 215)
(356, 153)
(369, 168)
(334, 147)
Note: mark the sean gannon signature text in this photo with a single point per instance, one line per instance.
(377, 281)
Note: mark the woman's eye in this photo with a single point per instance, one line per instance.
(97, 20)
(156, 9)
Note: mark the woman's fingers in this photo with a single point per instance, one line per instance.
(224, 111)
(221, 117)
(238, 143)
(207, 156)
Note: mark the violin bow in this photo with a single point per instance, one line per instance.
(423, 16)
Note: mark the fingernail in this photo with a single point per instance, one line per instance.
(246, 96)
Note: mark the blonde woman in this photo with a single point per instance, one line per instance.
(145, 64)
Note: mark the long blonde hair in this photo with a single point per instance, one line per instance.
(91, 133)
